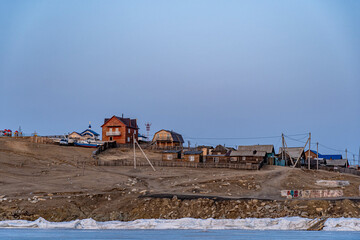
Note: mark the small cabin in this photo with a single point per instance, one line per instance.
(170, 155)
(220, 154)
(193, 156)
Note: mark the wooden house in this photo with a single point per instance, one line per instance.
(220, 154)
(170, 155)
(193, 156)
(165, 139)
(268, 149)
(337, 163)
(247, 156)
(207, 150)
(120, 129)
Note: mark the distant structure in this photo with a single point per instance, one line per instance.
(84, 135)
(165, 139)
(120, 129)
(147, 125)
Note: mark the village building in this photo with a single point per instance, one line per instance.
(119, 129)
(165, 139)
(343, 163)
(142, 138)
(292, 154)
(268, 149)
(207, 150)
(220, 154)
(75, 136)
(84, 135)
(314, 154)
(170, 155)
(252, 157)
(193, 156)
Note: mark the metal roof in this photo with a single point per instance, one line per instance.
(330, 156)
(293, 152)
(89, 130)
(338, 162)
(171, 151)
(247, 153)
(193, 152)
(263, 148)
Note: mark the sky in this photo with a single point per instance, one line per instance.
(218, 72)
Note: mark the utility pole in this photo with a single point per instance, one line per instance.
(346, 164)
(317, 156)
(282, 152)
(309, 150)
(354, 158)
(134, 151)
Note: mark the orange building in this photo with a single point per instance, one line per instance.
(119, 129)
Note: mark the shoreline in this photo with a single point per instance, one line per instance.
(252, 224)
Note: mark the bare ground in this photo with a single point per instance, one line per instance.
(35, 178)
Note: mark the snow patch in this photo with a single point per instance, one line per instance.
(286, 223)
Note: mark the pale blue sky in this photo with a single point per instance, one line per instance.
(207, 69)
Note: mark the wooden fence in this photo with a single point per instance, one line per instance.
(341, 170)
(103, 147)
(125, 162)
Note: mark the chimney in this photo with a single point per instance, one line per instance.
(122, 115)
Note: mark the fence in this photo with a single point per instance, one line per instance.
(341, 170)
(125, 162)
(103, 147)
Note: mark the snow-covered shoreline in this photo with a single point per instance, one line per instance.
(287, 223)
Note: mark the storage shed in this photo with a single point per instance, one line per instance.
(193, 156)
(170, 155)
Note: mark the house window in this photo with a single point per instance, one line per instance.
(128, 139)
(111, 139)
(216, 159)
(233, 159)
(192, 158)
(169, 157)
(243, 158)
(128, 130)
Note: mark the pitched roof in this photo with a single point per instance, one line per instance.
(89, 130)
(293, 152)
(192, 152)
(327, 156)
(130, 123)
(339, 162)
(247, 153)
(175, 136)
(330, 156)
(171, 151)
(262, 148)
(220, 148)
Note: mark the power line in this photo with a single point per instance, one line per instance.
(242, 138)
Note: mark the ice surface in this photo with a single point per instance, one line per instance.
(287, 223)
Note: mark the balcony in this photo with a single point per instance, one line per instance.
(111, 133)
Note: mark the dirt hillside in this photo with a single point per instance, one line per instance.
(37, 179)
